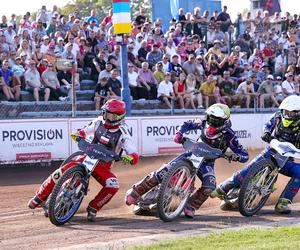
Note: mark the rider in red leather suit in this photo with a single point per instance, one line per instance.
(111, 131)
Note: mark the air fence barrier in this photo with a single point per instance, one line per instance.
(45, 140)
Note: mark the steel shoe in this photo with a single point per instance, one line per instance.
(217, 193)
(189, 212)
(283, 206)
(91, 214)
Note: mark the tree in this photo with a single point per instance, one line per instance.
(84, 7)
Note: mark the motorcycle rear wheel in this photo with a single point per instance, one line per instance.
(175, 190)
(67, 195)
(257, 187)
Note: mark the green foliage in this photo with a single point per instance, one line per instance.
(84, 7)
(254, 239)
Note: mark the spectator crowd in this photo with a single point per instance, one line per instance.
(200, 59)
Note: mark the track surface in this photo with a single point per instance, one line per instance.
(22, 228)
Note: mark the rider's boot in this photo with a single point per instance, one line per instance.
(140, 188)
(229, 205)
(91, 214)
(34, 202)
(283, 206)
(218, 193)
(196, 200)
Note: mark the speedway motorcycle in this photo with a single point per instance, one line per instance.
(170, 197)
(72, 186)
(260, 180)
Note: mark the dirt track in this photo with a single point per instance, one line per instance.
(21, 228)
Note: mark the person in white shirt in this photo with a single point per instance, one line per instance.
(288, 86)
(132, 80)
(165, 91)
(278, 89)
(170, 48)
(246, 91)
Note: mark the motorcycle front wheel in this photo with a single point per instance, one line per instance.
(175, 190)
(257, 187)
(67, 195)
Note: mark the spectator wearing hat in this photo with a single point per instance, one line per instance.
(11, 90)
(201, 50)
(278, 89)
(9, 34)
(154, 56)
(102, 93)
(33, 82)
(114, 85)
(59, 47)
(42, 66)
(132, 80)
(45, 43)
(288, 86)
(165, 91)
(245, 91)
(216, 49)
(267, 92)
(131, 57)
(147, 83)
(68, 54)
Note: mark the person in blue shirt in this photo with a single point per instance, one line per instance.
(11, 91)
(285, 127)
(216, 131)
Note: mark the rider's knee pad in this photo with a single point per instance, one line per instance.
(112, 183)
(207, 190)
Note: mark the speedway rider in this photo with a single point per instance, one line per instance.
(111, 131)
(285, 127)
(215, 131)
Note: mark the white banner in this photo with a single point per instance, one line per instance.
(29, 140)
(157, 134)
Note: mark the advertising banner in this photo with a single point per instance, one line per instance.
(157, 134)
(34, 140)
(30, 140)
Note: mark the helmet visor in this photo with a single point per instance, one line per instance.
(215, 121)
(290, 115)
(112, 118)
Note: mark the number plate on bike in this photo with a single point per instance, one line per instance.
(90, 163)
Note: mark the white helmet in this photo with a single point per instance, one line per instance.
(217, 117)
(290, 110)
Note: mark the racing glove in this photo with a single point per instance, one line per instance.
(267, 137)
(178, 137)
(127, 159)
(75, 137)
(233, 157)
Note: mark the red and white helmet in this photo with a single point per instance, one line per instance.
(113, 113)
